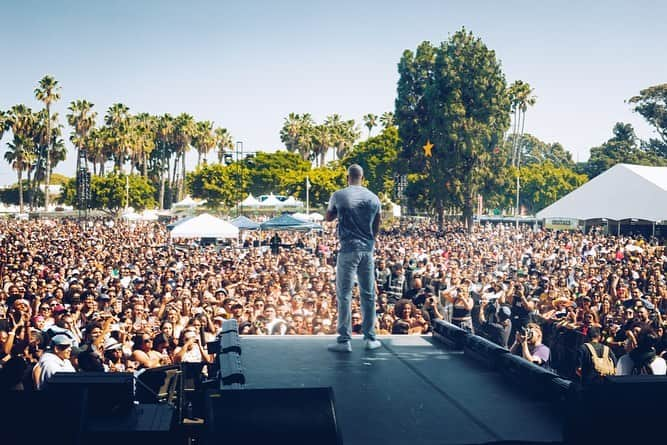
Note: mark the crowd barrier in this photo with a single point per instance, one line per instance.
(536, 380)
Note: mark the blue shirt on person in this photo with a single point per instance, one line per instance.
(356, 208)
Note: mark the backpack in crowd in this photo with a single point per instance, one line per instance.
(602, 365)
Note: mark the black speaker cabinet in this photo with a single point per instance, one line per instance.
(621, 409)
(38, 417)
(263, 416)
(109, 394)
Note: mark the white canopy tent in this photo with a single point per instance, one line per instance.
(188, 202)
(310, 217)
(623, 192)
(205, 226)
(250, 201)
(271, 201)
(292, 202)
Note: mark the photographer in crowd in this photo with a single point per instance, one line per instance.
(528, 344)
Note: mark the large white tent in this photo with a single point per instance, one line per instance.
(623, 192)
(250, 201)
(271, 201)
(205, 226)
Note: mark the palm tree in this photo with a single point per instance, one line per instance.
(204, 139)
(185, 129)
(521, 97)
(118, 122)
(4, 123)
(44, 125)
(82, 119)
(223, 140)
(144, 133)
(20, 155)
(387, 119)
(348, 135)
(47, 92)
(297, 134)
(370, 121)
(165, 141)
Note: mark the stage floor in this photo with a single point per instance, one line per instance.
(411, 391)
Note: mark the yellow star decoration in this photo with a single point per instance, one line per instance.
(427, 149)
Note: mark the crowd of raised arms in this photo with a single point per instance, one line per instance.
(117, 296)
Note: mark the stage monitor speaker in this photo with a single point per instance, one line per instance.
(109, 394)
(39, 417)
(639, 400)
(264, 416)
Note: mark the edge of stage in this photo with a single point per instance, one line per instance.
(412, 390)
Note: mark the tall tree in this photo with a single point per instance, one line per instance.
(377, 155)
(48, 92)
(652, 104)
(204, 139)
(387, 119)
(224, 141)
(185, 128)
(21, 155)
(297, 134)
(82, 119)
(623, 147)
(452, 110)
(370, 121)
(119, 135)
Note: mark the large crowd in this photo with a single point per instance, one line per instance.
(106, 295)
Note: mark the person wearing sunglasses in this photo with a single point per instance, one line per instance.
(54, 360)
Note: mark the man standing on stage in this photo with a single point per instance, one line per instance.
(358, 212)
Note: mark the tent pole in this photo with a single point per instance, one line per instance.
(653, 229)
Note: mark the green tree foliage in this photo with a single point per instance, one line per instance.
(623, 147)
(454, 96)
(377, 155)
(110, 192)
(323, 182)
(266, 170)
(219, 184)
(544, 183)
(535, 151)
(652, 104)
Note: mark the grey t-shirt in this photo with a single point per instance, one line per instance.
(356, 207)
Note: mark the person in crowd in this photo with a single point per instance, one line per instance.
(495, 322)
(528, 344)
(595, 360)
(642, 359)
(55, 359)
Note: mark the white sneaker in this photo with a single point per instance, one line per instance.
(373, 344)
(340, 347)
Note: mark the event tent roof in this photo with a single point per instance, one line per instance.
(188, 202)
(205, 226)
(271, 201)
(250, 201)
(287, 222)
(244, 223)
(292, 202)
(623, 192)
(308, 217)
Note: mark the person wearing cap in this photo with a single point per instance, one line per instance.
(113, 355)
(358, 211)
(55, 359)
(494, 321)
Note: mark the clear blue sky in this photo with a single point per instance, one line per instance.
(247, 64)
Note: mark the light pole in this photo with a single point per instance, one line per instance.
(239, 154)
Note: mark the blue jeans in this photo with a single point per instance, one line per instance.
(362, 266)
